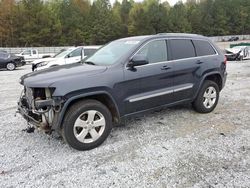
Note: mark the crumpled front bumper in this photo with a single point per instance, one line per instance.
(26, 115)
(26, 112)
(38, 112)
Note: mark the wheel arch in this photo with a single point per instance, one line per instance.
(103, 97)
(213, 76)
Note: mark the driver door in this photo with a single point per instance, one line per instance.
(148, 86)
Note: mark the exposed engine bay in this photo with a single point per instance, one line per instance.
(38, 107)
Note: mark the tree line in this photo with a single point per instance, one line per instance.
(76, 22)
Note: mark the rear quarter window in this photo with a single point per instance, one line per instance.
(203, 48)
(181, 49)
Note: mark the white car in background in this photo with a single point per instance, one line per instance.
(71, 55)
(31, 54)
(238, 53)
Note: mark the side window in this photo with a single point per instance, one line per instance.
(76, 53)
(155, 51)
(34, 51)
(181, 48)
(203, 48)
(27, 52)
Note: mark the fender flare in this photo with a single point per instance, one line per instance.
(61, 114)
(203, 79)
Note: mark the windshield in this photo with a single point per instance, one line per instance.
(63, 53)
(113, 51)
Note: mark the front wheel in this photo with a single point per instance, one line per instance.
(208, 97)
(87, 124)
(11, 66)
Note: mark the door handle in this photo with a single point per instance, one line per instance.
(199, 62)
(165, 67)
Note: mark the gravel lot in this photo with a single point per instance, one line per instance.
(176, 147)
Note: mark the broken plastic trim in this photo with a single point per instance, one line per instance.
(44, 103)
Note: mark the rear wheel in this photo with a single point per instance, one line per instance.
(11, 66)
(87, 124)
(207, 98)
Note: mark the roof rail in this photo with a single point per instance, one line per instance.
(187, 34)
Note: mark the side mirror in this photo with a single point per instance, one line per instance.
(138, 60)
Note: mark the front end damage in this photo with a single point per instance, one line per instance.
(39, 108)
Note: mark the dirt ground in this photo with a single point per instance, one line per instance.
(176, 147)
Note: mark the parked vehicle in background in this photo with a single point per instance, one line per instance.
(71, 55)
(238, 53)
(126, 77)
(32, 54)
(233, 39)
(36, 62)
(10, 61)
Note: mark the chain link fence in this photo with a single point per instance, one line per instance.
(42, 50)
(56, 49)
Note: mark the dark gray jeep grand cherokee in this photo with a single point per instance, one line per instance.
(127, 76)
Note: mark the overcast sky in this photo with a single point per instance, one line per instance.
(172, 2)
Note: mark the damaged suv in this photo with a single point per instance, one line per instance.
(128, 76)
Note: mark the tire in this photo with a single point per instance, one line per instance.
(207, 98)
(86, 125)
(240, 58)
(11, 66)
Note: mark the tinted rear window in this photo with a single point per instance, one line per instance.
(203, 48)
(181, 48)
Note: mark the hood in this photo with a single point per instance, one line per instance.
(43, 60)
(13, 56)
(64, 73)
(233, 50)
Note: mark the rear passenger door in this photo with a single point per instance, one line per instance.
(187, 71)
(206, 55)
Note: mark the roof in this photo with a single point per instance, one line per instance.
(179, 35)
(160, 35)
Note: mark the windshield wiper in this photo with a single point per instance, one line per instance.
(89, 62)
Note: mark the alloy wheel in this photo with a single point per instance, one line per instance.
(10, 66)
(89, 126)
(209, 97)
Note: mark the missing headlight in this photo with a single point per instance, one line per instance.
(39, 93)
